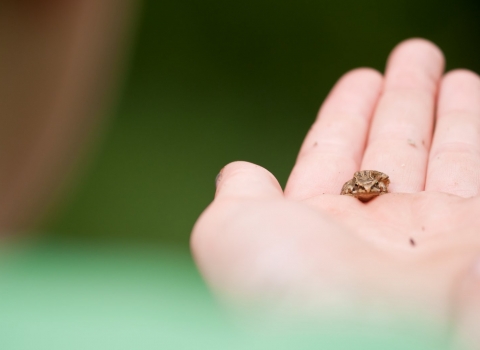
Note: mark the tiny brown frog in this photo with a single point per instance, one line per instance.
(366, 184)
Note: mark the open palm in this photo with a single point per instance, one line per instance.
(308, 248)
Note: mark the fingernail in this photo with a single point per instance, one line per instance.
(218, 178)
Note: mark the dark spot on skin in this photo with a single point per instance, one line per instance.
(412, 143)
(412, 242)
(423, 142)
(423, 228)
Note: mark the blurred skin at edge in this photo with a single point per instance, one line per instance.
(59, 64)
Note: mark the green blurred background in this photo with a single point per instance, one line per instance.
(211, 81)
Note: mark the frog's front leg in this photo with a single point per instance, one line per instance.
(382, 187)
(348, 187)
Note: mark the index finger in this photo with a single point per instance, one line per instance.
(334, 146)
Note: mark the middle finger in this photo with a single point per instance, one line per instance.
(402, 125)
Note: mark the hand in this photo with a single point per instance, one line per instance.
(310, 249)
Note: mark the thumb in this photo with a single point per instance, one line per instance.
(247, 180)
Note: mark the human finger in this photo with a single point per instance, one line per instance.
(246, 180)
(239, 185)
(333, 148)
(454, 165)
(401, 130)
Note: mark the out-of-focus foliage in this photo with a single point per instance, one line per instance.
(215, 81)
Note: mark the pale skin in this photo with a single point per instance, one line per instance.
(412, 251)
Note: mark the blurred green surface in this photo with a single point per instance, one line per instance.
(69, 297)
(212, 82)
